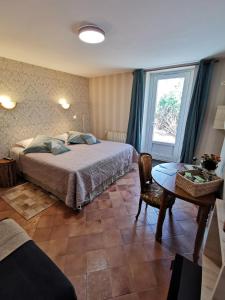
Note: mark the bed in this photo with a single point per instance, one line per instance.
(77, 176)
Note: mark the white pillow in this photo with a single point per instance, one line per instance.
(62, 137)
(24, 143)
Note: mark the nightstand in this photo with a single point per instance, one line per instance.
(7, 173)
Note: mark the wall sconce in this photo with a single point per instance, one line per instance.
(63, 102)
(6, 102)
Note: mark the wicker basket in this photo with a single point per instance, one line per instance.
(197, 189)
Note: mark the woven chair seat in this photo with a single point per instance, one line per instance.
(152, 194)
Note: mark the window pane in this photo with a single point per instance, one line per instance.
(168, 101)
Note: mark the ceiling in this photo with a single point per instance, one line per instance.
(139, 33)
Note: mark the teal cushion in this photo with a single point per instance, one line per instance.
(56, 147)
(38, 145)
(75, 137)
(90, 139)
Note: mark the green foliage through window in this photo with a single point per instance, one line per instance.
(167, 113)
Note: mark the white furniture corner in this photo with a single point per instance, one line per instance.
(213, 262)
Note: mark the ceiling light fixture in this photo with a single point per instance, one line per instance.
(91, 34)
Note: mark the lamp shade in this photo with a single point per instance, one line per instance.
(63, 102)
(91, 34)
(220, 117)
(6, 102)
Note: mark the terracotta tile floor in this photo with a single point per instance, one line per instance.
(104, 253)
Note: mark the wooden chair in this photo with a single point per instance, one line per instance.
(151, 192)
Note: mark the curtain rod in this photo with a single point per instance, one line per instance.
(195, 63)
(173, 66)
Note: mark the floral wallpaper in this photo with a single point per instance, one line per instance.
(37, 91)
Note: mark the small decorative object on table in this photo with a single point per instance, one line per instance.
(210, 162)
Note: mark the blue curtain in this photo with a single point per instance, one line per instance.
(197, 110)
(136, 110)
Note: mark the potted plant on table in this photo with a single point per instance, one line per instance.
(210, 162)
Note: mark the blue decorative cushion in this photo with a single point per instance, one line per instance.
(75, 137)
(90, 139)
(56, 147)
(38, 145)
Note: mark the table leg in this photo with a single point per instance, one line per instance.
(202, 220)
(198, 215)
(161, 217)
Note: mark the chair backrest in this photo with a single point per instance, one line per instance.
(145, 169)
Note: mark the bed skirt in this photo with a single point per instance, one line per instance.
(91, 196)
(101, 188)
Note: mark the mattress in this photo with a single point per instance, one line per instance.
(77, 176)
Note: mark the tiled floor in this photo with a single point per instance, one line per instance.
(104, 252)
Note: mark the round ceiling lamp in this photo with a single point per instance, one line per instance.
(91, 34)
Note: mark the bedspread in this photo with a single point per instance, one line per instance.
(79, 175)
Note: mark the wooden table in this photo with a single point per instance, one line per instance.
(168, 183)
